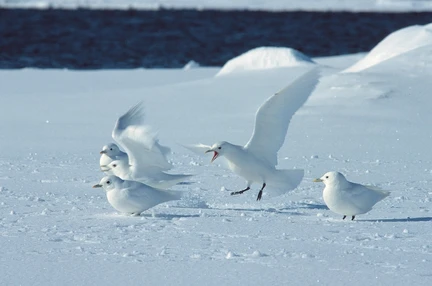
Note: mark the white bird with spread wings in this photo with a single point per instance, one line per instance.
(257, 160)
(146, 159)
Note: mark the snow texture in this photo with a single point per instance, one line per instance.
(372, 126)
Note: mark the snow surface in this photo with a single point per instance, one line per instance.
(373, 126)
(396, 43)
(274, 5)
(265, 58)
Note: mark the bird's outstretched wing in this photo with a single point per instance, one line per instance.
(139, 142)
(273, 117)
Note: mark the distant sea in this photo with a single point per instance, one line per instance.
(125, 39)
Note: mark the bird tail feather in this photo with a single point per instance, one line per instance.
(166, 181)
(173, 195)
(380, 192)
(283, 181)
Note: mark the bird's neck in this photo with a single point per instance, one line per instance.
(234, 152)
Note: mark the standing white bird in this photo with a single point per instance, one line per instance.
(347, 198)
(134, 197)
(257, 160)
(109, 153)
(146, 158)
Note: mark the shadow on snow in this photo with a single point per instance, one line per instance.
(408, 219)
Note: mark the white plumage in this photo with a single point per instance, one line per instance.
(146, 159)
(109, 153)
(134, 197)
(347, 198)
(257, 160)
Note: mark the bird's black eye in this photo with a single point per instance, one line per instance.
(326, 177)
(219, 148)
(114, 165)
(111, 149)
(108, 182)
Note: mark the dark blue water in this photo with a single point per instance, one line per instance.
(104, 39)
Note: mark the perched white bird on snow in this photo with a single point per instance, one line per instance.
(257, 160)
(134, 197)
(110, 153)
(347, 198)
(146, 158)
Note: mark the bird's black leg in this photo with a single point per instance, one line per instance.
(240, 192)
(353, 217)
(260, 192)
(344, 217)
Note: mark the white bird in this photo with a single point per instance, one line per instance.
(257, 160)
(347, 198)
(134, 197)
(146, 158)
(109, 153)
(149, 176)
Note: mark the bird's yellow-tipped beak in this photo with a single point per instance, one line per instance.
(104, 168)
(97, 186)
(318, 180)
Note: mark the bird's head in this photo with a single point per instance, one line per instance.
(219, 149)
(110, 150)
(116, 166)
(331, 178)
(108, 183)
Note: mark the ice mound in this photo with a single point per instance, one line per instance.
(265, 58)
(191, 65)
(398, 42)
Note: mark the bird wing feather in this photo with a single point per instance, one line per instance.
(273, 117)
(139, 142)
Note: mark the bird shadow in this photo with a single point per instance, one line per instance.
(168, 216)
(185, 183)
(312, 206)
(408, 219)
(286, 211)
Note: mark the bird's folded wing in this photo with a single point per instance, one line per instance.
(137, 139)
(199, 148)
(378, 190)
(364, 197)
(273, 117)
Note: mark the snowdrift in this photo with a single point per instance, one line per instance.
(265, 58)
(396, 43)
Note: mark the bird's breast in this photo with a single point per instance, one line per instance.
(247, 166)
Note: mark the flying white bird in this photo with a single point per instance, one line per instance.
(134, 197)
(347, 198)
(257, 160)
(110, 153)
(146, 159)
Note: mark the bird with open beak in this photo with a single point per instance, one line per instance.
(257, 160)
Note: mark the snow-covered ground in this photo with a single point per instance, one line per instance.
(374, 126)
(273, 5)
